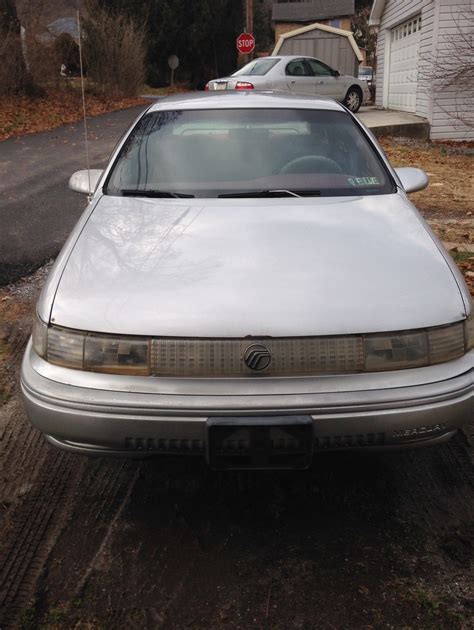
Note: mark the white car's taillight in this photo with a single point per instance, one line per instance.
(244, 85)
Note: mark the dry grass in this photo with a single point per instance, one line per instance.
(448, 202)
(450, 169)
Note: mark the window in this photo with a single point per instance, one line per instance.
(406, 29)
(335, 23)
(208, 153)
(319, 69)
(260, 67)
(298, 68)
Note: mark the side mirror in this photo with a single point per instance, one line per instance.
(412, 179)
(85, 181)
(336, 73)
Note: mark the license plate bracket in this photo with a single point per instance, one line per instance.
(260, 443)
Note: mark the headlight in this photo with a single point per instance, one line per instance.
(469, 326)
(395, 352)
(90, 352)
(40, 337)
(65, 348)
(116, 356)
(414, 349)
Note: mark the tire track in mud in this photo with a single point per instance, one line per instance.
(194, 548)
(39, 485)
(53, 489)
(99, 498)
(28, 536)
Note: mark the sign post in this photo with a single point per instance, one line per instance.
(245, 43)
(173, 62)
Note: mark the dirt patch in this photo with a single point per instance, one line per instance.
(21, 115)
(449, 168)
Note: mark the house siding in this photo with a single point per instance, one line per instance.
(451, 105)
(440, 21)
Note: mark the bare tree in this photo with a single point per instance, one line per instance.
(14, 75)
(449, 73)
(364, 35)
(114, 49)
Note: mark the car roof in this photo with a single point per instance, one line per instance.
(285, 57)
(233, 99)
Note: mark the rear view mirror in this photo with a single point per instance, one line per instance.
(85, 181)
(412, 179)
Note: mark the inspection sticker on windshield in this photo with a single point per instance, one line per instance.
(363, 181)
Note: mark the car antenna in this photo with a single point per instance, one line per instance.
(84, 102)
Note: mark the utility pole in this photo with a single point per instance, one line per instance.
(249, 21)
(249, 16)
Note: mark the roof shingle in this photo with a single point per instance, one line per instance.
(311, 10)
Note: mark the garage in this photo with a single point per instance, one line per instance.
(334, 46)
(403, 75)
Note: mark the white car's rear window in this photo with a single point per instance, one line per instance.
(258, 68)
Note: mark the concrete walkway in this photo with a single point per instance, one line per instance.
(385, 122)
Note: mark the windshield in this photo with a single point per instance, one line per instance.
(209, 153)
(260, 67)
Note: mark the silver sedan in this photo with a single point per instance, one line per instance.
(251, 284)
(305, 75)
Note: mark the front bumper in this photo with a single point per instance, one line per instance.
(134, 416)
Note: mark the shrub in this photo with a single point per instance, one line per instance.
(67, 52)
(114, 51)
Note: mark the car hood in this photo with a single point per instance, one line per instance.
(238, 267)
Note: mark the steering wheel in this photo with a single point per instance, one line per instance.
(310, 164)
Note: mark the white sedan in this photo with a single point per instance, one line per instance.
(305, 75)
(251, 284)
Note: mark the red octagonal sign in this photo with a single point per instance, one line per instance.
(245, 43)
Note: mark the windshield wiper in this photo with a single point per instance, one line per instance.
(137, 192)
(271, 193)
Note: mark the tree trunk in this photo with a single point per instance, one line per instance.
(14, 76)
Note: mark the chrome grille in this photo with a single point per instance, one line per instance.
(360, 440)
(225, 357)
(162, 445)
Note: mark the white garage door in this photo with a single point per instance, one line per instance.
(404, 65)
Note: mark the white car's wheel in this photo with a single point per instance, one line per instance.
(353, 99)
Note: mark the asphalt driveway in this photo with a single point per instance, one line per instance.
(37, 210)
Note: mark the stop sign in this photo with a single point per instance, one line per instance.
(245, 43)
